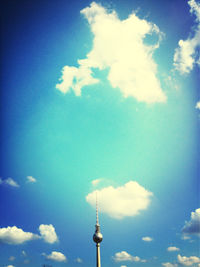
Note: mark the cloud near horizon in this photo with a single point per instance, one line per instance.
(119, 46)
(168, 264)
(188, 261)
(186, 55)
(184, 261)
(123, 201)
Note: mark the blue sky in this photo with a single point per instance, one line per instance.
(100, 96)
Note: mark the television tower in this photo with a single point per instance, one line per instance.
(97, 237)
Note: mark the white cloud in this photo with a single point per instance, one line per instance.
(56, 256)
(186, 55)
(195, 8)
(10, 266)
(48, 233)
(185, 237)
(173, 249)
(197, 105)
(96, 181)
(143, 260)
(168, 264)
(9, 181)
(123, 201)
(75, 78)
(31, 179)
(119, 46)
(188, 261)
(15, 236)
(147, 239)
(193, 226)
(123, 266)
(125, 256)
(24, 253)
(79, 260)
(12, 258)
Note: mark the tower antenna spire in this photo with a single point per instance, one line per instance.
(97, 237)
(97, 215)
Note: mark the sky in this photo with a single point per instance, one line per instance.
(100, 98)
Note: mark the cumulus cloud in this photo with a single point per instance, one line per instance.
(125, 256)
(173, 249)
(193, 226)
(119, 46)
(75, 78)
(48, 233)
(186, 55)
(56, 256)
(197, 105)
(195, 8)
(188, 261)
(15, 236)
(10, 266)
(31, 179)
(9, 181)
(168, 264)
(147, 239)
(123, 201)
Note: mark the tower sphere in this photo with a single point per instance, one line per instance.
(97, 237)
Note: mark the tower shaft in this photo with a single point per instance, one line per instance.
(98, 255)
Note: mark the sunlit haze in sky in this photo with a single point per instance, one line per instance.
(100, 98)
